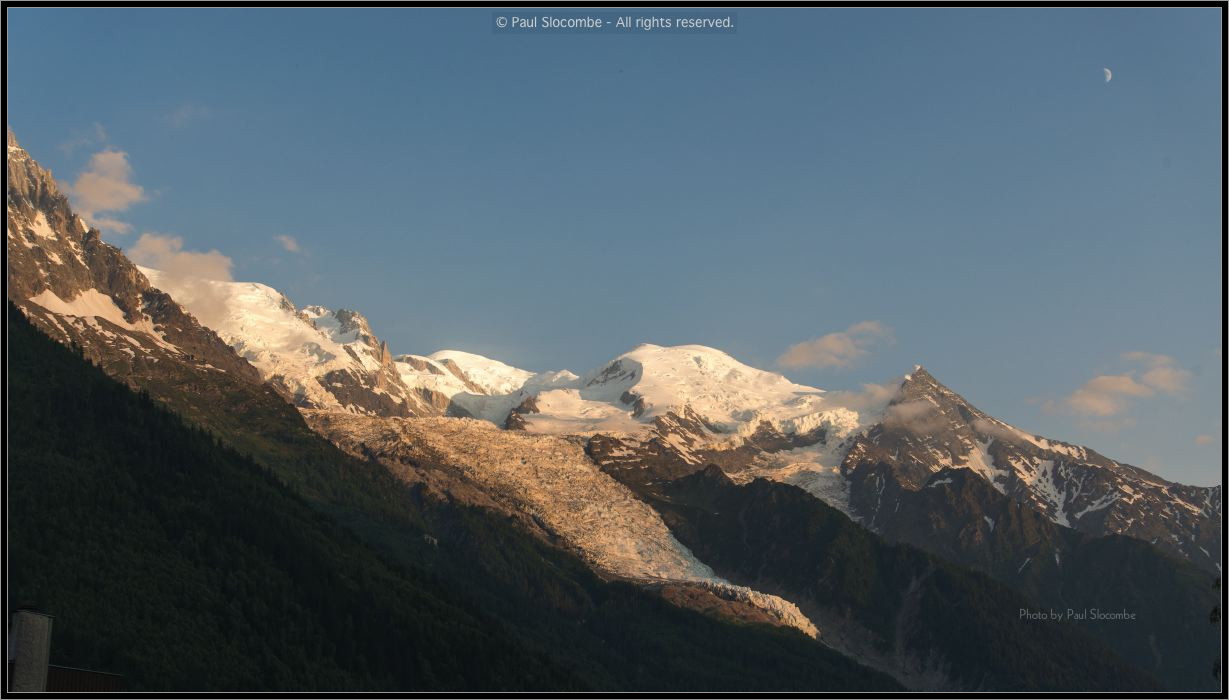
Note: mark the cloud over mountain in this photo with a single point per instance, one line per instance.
(840, 349)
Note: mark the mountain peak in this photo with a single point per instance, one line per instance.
(354, 322)
(920, 383)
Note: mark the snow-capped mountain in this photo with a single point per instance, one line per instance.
(324, 359)
(482, 374)
(921, 429)
(676, 399)
(475, 385)
(652, 383)
(656, 413)
(316, 357)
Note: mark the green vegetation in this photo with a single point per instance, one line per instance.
(168, 557)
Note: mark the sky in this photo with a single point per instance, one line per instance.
(832, 194)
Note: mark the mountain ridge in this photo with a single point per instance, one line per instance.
(659, 412)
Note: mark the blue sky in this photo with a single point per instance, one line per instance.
(965, 179)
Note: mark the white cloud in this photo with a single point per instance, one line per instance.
(1106, 397)
(288, 242)
(870, 398)
(840, 349)
(186, 114)
(189, 273)
(919, 417)
(869, 402)
(105, 186)
(1163, 372)
(1167, 380)
(166, 253)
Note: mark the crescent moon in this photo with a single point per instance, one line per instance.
(1108, 75)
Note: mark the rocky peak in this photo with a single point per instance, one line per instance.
(16, 154)
(385, 355)
(714, 472)
(49, 247)
(921, 384)
(32, 187)
(353, 322)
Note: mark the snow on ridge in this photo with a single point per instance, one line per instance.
(716, 386)
(623, 396)
(626, 395)
(265, 328)
(568, 411)
(493, 376)
(300, 346)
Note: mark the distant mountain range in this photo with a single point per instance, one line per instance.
(676, 469)
(674, 409)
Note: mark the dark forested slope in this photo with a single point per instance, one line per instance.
(917, 615)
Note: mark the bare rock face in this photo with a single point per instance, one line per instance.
(516, 420)
(459, 373)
